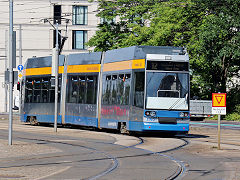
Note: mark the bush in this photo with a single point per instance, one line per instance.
(233, 117)
(215, 117)
(237, 108)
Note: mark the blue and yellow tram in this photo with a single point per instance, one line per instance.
(139, 88)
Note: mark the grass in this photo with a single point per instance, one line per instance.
(229, 117)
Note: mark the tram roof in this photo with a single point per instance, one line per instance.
(84, 58)
(139, 52)
(38, 62)
(122, 54)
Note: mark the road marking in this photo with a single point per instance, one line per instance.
(215, 124)
(54, 173)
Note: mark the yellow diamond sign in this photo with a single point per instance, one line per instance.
(20, 75)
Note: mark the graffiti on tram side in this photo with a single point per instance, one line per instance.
(115, 110)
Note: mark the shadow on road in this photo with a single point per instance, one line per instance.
(161, 134)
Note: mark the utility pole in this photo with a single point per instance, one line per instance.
(55, 60)
(10, 70)
(99, 102)
(20, 63)
(56, 79)
(6, 69)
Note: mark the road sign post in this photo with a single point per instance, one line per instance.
(219, 108)
(219, 131)
(20, 68)
(11, 65)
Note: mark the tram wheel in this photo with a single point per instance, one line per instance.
(33, 121)
(123, 128)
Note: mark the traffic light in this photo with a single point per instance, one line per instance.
(18, 86)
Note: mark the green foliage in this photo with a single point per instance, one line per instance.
(209, 29)
(216, 47)
(215, 117)
(233, 99)
(125, 15)
(233, 117)
(237, 108)
(145, 22)
(200, 88)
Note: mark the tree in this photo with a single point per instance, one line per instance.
(145, 22)
(216, 47)
(208, 28)
(118, 17)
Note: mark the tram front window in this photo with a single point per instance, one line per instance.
(168, 91)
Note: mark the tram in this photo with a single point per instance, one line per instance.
(138, 88)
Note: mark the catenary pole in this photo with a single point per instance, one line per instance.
(10, 71)
(20, 63)
(56, 81)
(6, 69)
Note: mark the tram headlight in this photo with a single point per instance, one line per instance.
(147, 113)
(183, 114)
(150, 113)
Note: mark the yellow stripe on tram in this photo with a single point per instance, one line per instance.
(138, 64)
(83, 68)
(87, 68)
(124, 65)
(41, 71)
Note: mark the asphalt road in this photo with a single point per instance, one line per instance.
(71, 153)
(81, 154)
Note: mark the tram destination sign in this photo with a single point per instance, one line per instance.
(219, 103)
(167, 65)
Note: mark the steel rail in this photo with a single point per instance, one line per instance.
(115, 163)
(182, 167)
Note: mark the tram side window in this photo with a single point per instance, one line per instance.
(91, 89)
(52, 94)
(52, 90)
(106, 99)
(59, 88)
(37, 90)
(82, 89)
(45, 87)
(28, 91)
(127, 83)
(139, 89)
(114, 89)
(73, 89)
(120, 89)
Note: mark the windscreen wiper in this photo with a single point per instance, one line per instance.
(177, 101)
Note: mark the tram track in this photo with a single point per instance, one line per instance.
(114, 160)
(108, 170)
(182, 168)
(176, 175)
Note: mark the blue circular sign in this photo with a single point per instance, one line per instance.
(20, 67)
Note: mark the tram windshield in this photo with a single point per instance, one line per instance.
(168, 91)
